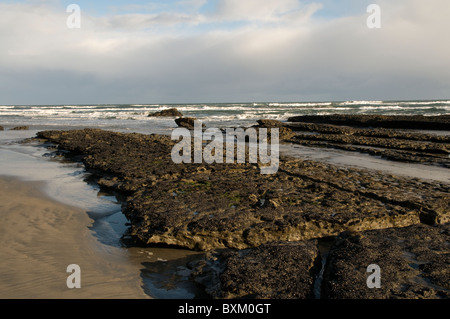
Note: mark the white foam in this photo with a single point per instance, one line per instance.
(361, 102)
(302, 104)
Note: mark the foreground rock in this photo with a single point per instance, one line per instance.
(209, 206)
(173, 112)
(268, 224)
(414, 263)
(278, 270)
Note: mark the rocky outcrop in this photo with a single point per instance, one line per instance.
(186, 122)
(413, 263)
(278, 270)
(269, 224)
(270, 123)
(20, 128)
(404, 146)
(417, 122)
(208, 206)
(173, 112)
(284, 133)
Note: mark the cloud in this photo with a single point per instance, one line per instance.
(263, 10)
(277, 51)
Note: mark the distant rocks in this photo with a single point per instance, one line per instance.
(173, 112)
(376, 135)
(270, 123)
(418, 122)
(186, 122)
(17, 128)
(284, 133)
(20, 128)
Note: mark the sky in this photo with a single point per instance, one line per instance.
(211, 51)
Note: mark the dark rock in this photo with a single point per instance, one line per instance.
(270, 123)
(284, 133)
(207, 206)
(210, 206)
(186, 122)
(20, 128)
(278, 270)
(169, 112)
(388, 143)
(441, 122)
(414, 263)
(1, 128)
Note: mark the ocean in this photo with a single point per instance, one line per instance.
(134, 117)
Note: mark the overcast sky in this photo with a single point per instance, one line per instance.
(188, 51)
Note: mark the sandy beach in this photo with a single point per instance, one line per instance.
(41, 237)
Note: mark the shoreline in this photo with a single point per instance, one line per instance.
(41, 237)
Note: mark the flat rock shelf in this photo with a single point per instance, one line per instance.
(265, 227)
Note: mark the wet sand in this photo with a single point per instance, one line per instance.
(41, 237)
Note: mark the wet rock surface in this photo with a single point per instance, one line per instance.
(173, 112)
(186, 122)
(234, 207)
(20, 128)
(284, 133)
(278, 270)
(414, 263)
(392, 144)
(418, 122)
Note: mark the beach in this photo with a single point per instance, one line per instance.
(226, 154)
(225, 227)
(52, 218)
(41, 237)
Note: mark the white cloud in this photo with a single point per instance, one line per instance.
(151, 58)
(262, 10)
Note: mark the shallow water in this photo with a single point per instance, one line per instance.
(66, 183)
(364, 161)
